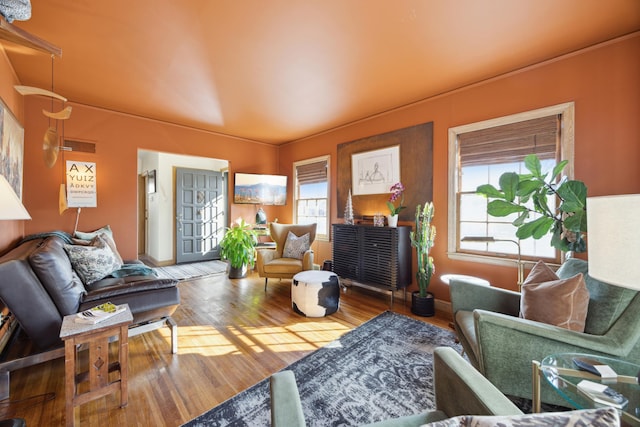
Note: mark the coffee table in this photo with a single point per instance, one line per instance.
(561, 373)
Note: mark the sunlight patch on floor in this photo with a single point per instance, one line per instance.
(303, 336)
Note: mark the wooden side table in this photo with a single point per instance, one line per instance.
(96, 337)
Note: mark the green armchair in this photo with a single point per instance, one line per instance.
(501, 345)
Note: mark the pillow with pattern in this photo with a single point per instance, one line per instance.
(295, 247)
(584, 417)
(93, 262)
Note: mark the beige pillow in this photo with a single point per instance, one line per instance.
(548, 299)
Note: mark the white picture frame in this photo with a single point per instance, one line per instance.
(374, 172)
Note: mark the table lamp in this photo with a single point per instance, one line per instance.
(11, 206)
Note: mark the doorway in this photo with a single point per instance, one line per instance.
(200, 214)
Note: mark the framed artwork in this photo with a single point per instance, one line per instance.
(151, 182)
(11, 149)
(374, 172)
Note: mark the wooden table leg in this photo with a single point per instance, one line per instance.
(69, 380)
(124, 365)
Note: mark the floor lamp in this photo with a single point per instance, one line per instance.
(490, 239)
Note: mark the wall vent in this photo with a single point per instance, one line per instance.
(80, 146)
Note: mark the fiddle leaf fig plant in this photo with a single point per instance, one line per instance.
(525, 194)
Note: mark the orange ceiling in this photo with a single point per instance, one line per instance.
(280, 70)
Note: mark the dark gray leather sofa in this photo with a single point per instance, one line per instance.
(39, 286)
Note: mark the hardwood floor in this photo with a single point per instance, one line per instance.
(231, 335)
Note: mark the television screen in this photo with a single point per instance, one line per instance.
(260, 189)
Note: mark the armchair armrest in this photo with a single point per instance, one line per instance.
(264, 256)
(468, 296)
(507, 345)
(462, 390)
(286, 408)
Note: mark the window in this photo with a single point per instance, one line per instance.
(311, 194)
(478, 154)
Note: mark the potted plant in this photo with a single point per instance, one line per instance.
(422, 302)
(397, 192)
(524, 194)
(238, 247)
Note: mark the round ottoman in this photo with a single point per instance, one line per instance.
(315, 293)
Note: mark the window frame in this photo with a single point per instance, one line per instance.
(565, 110)
(325, 158)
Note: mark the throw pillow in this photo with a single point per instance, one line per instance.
(583, 417)
(89, 235)
(295, 247)
(108, 239)
(558, 302)
(93, 262)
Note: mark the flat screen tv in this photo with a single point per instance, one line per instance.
(260, 189)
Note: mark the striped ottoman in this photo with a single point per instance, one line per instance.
(315, 293)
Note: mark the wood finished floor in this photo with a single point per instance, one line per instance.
(231, 335)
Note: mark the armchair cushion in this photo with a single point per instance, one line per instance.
(548, 299)
(295, 247)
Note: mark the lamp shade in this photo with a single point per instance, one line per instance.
(614, 239)
(10, 205)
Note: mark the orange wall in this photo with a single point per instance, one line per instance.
(10, 231)
(118, 138)
(603, 82)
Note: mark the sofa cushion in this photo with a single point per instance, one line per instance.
(584, 417)
(92, 262)
(295, 247)
(89, 235)
(559, 302)
(50, 263)
(606, 302)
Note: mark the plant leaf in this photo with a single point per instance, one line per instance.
(532, 163)
(521, 219)
(574, 196)
(557, 170)
(502, 208)
(490, 191)
(509, 182)
(536, 228)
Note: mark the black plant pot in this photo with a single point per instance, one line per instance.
(422, 306)
(238, 272)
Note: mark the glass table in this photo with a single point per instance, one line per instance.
(560, 371)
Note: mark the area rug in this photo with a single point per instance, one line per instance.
(192, 270)
(379, 370)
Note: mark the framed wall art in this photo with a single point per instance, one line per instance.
(373, 172)
(11, 149)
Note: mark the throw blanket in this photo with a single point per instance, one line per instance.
(133, 269)
(61, 234)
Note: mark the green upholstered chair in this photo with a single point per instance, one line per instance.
(271, 263)
(501, 345)
(459, 390)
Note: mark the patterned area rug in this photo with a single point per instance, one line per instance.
(381, 369)
(192, 270)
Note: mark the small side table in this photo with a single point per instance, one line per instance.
(96, 337)
(562, 375)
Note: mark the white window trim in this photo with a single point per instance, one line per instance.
(567, 110)
(326, 158)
